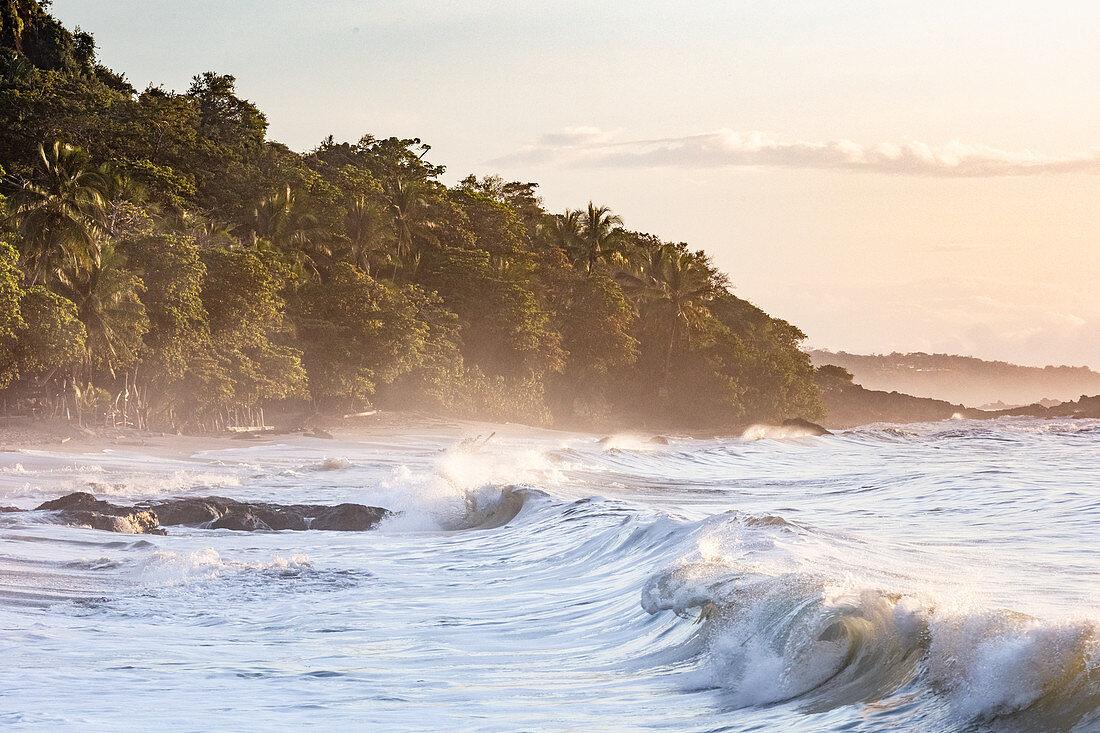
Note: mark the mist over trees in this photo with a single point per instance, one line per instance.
(963, 379)
(162, 263)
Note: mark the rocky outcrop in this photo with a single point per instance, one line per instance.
(811, 428)
(83, 509)
(1085, 407)
(129, 523)
(346, 518)
(848, 405)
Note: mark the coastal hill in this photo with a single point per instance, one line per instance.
(848, 404)
(165, 264)
(963, 379)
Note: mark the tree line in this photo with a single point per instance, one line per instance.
(162, 263)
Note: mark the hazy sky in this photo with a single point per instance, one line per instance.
(887, 176)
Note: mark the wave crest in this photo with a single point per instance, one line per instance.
(796, 636)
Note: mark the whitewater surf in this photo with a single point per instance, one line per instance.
(934, 577)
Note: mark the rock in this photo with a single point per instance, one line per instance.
(349, 518)
(191, 511)
(241, 520)
(811, 427)
(283, 517)
(144, 522)
(658, 440)
(83, 509)
(1085, 407)
(76, 500)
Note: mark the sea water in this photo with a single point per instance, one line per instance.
(935, 577)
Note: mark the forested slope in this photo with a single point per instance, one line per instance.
(162, 262)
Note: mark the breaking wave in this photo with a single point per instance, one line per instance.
(932, 577)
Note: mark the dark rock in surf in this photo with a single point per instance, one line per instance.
(144, 522)
(349, 518)
(241, 520)
(211, 512)
(192, 511)
(82, 509)
(76, 500)
(658, 440)
(291, 517)
(810, 427)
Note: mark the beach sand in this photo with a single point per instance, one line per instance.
(19, 434)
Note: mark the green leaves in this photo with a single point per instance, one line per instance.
(60, 212)
(161, 240)
(355, 332)
(53, 339)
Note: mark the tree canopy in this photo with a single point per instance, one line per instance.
(163, 262)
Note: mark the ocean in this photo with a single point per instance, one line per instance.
(931, 577)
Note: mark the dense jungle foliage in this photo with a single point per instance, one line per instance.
(162, 263)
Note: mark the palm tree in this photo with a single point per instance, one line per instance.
(601, 236)
(124, 200)
(564, 230)
(60, 212)
(107, 297)
(365, 232)
(213, 234)
(408, 204)
(675, 286)
(284, 221)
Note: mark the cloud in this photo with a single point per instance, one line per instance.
(575, 136)
(592, 147)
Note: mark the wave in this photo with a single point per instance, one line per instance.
(803, 637)
(467, 489)
(174, 568)
(777, 432)
(332, 464)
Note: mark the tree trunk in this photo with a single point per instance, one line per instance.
(663, 393)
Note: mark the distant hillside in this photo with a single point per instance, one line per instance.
(963, 379)
(848, 404)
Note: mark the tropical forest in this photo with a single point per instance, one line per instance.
(165, 265)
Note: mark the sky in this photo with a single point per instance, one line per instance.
(886, 176)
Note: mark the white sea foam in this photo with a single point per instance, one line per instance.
(465, 488)
(777, 627)
(333, 464)
(933, 577)
(174, 568)
(776, 432)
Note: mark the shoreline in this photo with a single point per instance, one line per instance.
(18, 434)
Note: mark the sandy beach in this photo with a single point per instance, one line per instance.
(24, 433)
